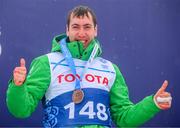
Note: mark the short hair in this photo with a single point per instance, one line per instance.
(79, 11)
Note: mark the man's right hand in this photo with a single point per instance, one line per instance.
(19, 73)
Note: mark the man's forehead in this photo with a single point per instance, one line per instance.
(81, 20)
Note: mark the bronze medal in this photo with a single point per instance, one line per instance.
(77, 96)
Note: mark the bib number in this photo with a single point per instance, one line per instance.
(88, 110)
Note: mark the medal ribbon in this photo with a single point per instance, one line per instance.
(70, 61)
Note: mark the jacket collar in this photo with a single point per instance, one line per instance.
(76, 48)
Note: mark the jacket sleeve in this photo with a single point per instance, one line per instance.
(124, 113)
(22, 100)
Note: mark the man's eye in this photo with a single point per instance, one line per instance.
(87, 27)
(75, 27)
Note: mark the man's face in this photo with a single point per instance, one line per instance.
(81, 29)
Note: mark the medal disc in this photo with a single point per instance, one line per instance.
(77, 96)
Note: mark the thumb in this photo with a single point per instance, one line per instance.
(163, 87)
(22, 62)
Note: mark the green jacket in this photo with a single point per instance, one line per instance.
(123, 111)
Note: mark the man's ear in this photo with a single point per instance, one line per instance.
(95, 31)
(67, 30)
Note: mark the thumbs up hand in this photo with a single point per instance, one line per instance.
(19, 73)
(162, 98)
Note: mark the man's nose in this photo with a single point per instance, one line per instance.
(81, 33)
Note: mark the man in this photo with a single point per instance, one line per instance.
(77, 86)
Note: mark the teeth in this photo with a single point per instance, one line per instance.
(83, 41)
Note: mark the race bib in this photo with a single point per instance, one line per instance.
(94, 109)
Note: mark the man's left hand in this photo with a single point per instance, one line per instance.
(162, 98)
